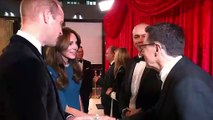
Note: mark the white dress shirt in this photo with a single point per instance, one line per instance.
(81, 64)
(167, 68)
(136, 79)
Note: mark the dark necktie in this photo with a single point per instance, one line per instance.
(138, 59)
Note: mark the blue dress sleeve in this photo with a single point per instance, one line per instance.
(60, 93)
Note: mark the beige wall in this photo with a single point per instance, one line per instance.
(6, 31)
(91, 39)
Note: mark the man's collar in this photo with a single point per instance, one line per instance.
(80, 60)
(112, 62)
(31, 39)
(168, 67)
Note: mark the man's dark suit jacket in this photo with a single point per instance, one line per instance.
(106, 82)
(86, 86)
(187, 94)
(27, 91)
(149, 89)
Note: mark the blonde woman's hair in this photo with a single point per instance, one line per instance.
(122, 58)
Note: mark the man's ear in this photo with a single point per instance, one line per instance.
(47, 16)
(158, 46)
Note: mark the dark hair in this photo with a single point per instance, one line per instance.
(54, 58)
(170, 36)
(112, 49)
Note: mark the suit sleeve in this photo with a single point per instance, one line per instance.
(101, 81)
(119, 80)
(90, 76)
(125, 87)
(106, 80)
(194, 99)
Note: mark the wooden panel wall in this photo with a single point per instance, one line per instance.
(6, 31)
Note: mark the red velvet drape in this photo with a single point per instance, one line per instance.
(195, 17)
(151, 7)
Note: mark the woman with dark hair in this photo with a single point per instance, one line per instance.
(67, 75)
(65, 71)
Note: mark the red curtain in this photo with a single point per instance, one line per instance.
(193, 16)
(151, 7)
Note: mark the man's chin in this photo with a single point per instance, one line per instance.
(152, 67)
(51, 44)
(149, 66)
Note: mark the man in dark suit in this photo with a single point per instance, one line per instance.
(86, 85)
(27, 91)
(106, 81)
(141, 86)
(187, 90)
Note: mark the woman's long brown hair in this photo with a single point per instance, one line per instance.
(54, 58)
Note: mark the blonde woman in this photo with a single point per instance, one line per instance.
(122, 58)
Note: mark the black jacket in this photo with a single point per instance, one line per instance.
(149, 89)
(86, 86)
(27, 91)
(105, 82)
(187, 94)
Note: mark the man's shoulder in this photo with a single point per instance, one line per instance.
(17, 50)
(133, 59)
(16, 38)
(19, 43)
(87, 61)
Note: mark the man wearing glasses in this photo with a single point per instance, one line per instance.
(187, 90)
(141, 86)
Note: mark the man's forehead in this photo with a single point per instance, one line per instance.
(60, 12)
(61, 15)
(139, 29)
(139, 34)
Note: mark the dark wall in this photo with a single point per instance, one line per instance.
(89, 12)
(9, 6)
(16, 26)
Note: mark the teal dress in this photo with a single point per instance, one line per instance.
(70, 94)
